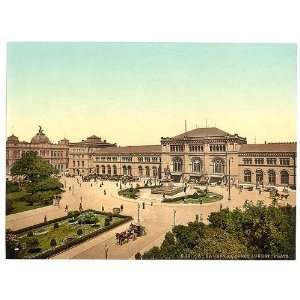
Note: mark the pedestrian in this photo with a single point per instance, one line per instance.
(91, 184)
(104, 192)
(80, 207)
(66, 208)
(45, 219)
(121, 207)
(102, 208)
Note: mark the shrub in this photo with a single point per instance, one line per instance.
(32, 243)
(138, 256)
(53, 243)
(107, 221)
(195, 196)
(30, 234)
(12, 187)
(8, 206)
(35, 250)
(79, 231)
(73, 213)
(56, 225)
(44, 185)
(88, 218)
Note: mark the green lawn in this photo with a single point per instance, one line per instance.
(19, 204)
(208, 198)
(45, 233)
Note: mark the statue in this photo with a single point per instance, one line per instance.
(167, 173)
(41, 131)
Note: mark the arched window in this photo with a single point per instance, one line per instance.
(108, 169)
(196, 165)
(218, 166)
(103, 169)
(140, 171)
(115, 169)
(247, 175)
(129, 171)
(272, 177)
(147, 171)
(154, 171)
(97, 169)
(124, 170)
(284, 176)
(177, 164)
(259, 176)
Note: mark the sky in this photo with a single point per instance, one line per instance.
(136, 93)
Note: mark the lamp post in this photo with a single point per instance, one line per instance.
(138, 211)
(106, 251)
(174, 217)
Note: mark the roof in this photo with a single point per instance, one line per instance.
(94, 137)
(12, 139)
(202, 132)
(287, 147)
(131, 149)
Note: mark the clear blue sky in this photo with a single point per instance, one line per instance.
(134, 93)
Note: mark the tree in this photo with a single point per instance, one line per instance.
(12, 243)
(257, 230)
(32, 167)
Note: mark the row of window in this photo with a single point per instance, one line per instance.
(78, 164)
(198, 148)
(42, 153)
(259, 177)
(218, 165)
(217, 148)
(127, 170)
(176, 148)
(269, 161)
(148, 159)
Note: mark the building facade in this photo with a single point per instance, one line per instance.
(55, 154)
(202, 154)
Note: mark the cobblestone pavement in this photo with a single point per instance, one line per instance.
(158, 218)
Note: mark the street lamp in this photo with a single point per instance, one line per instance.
(174, 217)
(106, 251)
(138, 212)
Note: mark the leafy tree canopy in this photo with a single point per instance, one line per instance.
(33, 167)
(252, 232)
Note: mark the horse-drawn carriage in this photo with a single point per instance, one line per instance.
(134, 231)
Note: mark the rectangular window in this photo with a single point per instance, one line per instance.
(247, 161)
(271, 161)
(284, 161)
(176, 148)
(259, 161)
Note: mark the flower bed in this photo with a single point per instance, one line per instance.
(196, 198)
(63, 233)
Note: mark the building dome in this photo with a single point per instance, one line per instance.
(12, 139)
(40, 138)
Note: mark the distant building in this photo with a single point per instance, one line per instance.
(202, 154)
(55, 154)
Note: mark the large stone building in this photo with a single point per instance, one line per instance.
(202, 154)
(56, 154)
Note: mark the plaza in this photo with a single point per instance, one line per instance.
(157, 217)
